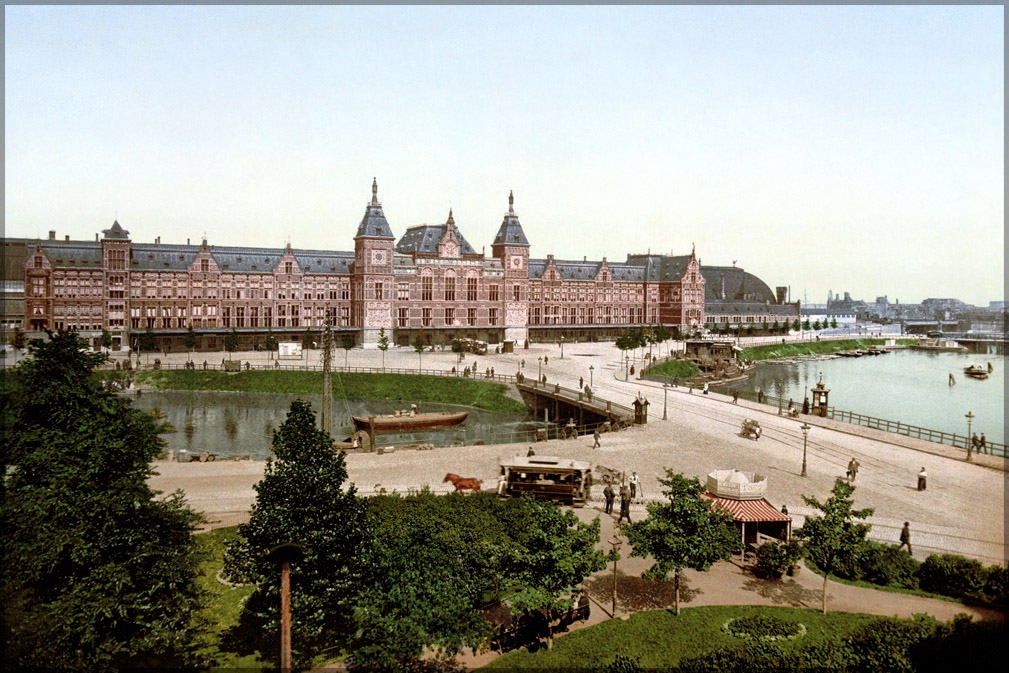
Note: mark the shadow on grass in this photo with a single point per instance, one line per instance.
(636, 594)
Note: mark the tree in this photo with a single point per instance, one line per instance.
(835, 538)
(17, 339)
(805, 324)
(189, 341)
(303, 499)
(99, 573)
(833, 323)
(270, 343)
(554, 553)
(418, 345)
(816, 325)
(383, 344)
(686, 532)
(105, 341)
(231, 342)
(795, 325)
(307, 340)
(348, 345)
(146, 343)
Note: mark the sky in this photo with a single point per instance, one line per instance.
(826, 148)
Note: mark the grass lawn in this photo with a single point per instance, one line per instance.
(488, 395)
(790, 350)
(224, 604)
(682, 369)
(659, 639)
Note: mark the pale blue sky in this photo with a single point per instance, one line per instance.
(850, 148)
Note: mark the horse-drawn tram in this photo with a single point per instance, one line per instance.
(560, 480)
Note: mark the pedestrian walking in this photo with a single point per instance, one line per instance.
(625, 504)
(705, 389)
(983, 444)
(633, 483)
(975, 443)
(581, 382)
(905, 537)
(735, 396)
(922, 477)
(852, 469)
(595, 438)
(609, 495)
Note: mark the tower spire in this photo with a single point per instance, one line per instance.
(511, 202)
(374, 191)
(450, 218)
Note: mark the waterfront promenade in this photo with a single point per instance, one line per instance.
(962, 511)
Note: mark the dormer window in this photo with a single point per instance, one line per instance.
(204, 265)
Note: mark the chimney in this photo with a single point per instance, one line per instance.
(157, 240)
(187, 241)
(66, 237)
(52, 234)
(96, 238)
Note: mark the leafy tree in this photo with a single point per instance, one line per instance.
(833, 323)
(307, 340)
(776, 327)
(685, 532)
(348, 345)
(834, 539)
(231, 342)
(554, 553)
(303, 499)
(795, 325)
(105, 341)
(270, 343)
(17, 338)
(189, 341)
(816, 325)
(418, 345)
(383, 344)
(805, 324)
(98, 573)
(146, 343)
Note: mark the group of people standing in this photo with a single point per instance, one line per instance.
(628, 492)
(980, 445)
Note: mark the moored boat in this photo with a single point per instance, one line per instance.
(976, 372)
(409, 421)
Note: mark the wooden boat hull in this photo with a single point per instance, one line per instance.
(975, 372)
(393, 423)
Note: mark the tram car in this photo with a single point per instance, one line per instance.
(560, 480)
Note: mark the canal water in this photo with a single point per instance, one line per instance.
(231, 424)
(909, 386)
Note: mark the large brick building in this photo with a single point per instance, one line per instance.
(430, 283)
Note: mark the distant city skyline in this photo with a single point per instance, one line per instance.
(849, 149)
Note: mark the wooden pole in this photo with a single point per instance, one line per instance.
(285, 616)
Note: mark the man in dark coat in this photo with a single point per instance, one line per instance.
(625, 504)
(609, 495)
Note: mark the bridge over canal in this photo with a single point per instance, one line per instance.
(553, 402)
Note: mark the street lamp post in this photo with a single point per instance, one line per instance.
(591, 370)
(665, 394)
(562, 347)
(539, 370)
(970, 419)
(805, 433)
(615, 542)
(627, 365)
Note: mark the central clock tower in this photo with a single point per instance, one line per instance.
(373, 287)
(511, 247)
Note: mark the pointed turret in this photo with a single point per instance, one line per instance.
(510, 232)
(374, 224)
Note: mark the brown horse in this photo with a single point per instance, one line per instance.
(462, 483)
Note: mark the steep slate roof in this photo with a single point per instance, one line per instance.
(637, 269)
(162, 257)
(510, 232)
(79, 254)
(423, 239)
(374, 224)
(738, 284)
(116, 231)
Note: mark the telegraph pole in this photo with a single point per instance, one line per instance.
(326, 413)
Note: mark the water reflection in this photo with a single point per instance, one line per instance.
(242, 424)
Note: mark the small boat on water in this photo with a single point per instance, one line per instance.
(976, 372)
(409, 421)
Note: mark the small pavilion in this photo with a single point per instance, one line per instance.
(742, 495)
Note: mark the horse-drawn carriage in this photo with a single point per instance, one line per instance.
(750, 428)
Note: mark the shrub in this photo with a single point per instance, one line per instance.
(763, 627)
(996, 587)
(886, 644)
(887, 565)
(774, 558)
(952, 575)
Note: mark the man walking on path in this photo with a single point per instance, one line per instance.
(922, 476)
(905, 537)
(608, 495)
(852, 469)
(634, 482)
(595, 438)
(625, 504)
(982, 445)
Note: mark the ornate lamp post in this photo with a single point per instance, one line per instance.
(615, 542)
(627, 365)
(805, 433)
(539, 370)
(665, 393)
(970, 419)
(591, 369)
(562, 347)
